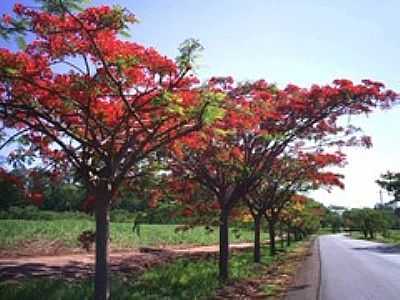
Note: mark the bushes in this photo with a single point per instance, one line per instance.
(122, 216)
(155, 216)
(10, 195)
(368, 221)
(63, 197)
(31, 212)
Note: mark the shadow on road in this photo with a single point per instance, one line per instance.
(298, 287)
(380, 249)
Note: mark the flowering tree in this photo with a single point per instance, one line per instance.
(260, 124)
(84, 99)
(288, 176)
(302, 216)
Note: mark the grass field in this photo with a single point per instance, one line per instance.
(15, 232)
(182, 279)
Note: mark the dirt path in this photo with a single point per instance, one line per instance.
(81, 265)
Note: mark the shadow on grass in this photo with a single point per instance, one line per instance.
(74, 268)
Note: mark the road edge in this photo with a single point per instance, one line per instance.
(318, 247)
(307, 279)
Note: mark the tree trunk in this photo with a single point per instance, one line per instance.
(102, 279)
(296, 235)
(371, 234)
(223, 245)
(257, 238)
(288, 238)
(282, 240)
(271, 230)
(365, 234)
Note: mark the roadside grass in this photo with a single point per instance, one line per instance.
(278, 282)
(271, 289)
(14, 233)
(182, 279)
(392, 238)
(324, 230)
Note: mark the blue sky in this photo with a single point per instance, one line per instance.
(292, 41)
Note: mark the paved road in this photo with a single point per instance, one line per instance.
(358, 270)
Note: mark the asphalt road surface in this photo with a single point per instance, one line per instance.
(358, 270)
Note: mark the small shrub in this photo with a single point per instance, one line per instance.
(87, 239)
(122, 216)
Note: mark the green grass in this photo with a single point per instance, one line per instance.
(182, 279)
(326, 230)
(271, 289)
(393, 238)
(14, 232)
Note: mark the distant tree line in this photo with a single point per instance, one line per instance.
(369, 221)
(68, 196)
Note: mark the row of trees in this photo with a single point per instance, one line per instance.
(390, 181)
(112, 112)
(64, 193)
(368, 221)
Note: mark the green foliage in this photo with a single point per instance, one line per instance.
(47, 289)
(391, 237)
(189, 53)
(333, 220)
(304, 219)
(63, 197)
(213, 113)
(32, 212)
(58, 7)
(214, 109)
(21, 42)
(10, 196)
(368, 221)
(122, 216)
(187, 279)
(390, 181)
(20, 26)
(311, 215)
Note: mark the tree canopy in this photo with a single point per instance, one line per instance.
(390, 181)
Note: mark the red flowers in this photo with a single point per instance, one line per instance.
(7, 19)
(19, 8)
(88, 204)
(36, 198)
